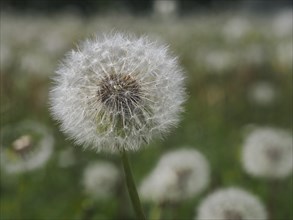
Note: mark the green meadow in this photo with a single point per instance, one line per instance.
(238, 76)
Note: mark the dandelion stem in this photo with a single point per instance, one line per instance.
(156, 211)
(88, 210)
(131, 186)
(273, 191)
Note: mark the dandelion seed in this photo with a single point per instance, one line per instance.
(267, 152)
(117, 92)
(231, 204)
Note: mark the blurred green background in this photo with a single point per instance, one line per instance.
(238, 61)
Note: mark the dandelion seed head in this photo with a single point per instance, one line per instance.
(262, 93)
(22, 144)
(217, 60)
(117, 92)
(159, 186)
(236, 28)
(100, 179)
(179, 175)
(165, 8)
(282, 24)
(25, 147)
(267, 153)
(191, 168)
(231, 204)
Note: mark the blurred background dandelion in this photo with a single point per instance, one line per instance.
(238, 118)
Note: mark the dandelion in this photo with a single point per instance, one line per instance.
(231, 204)
(191, 169)
(262, 93)
(25, 147)
(236, 28)
(179, 175)
(282, 24)
(267, 153)
(156, 186)
(217, 61)
(165, 8)
(115, 93)
(100, 180)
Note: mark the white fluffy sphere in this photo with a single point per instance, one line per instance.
(267, 152)
(262, 93)
(231, 203)
(117, 91)
(179, 175)
(24, 147)
(100, 179)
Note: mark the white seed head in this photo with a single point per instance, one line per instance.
(25, 147)
(100, 180)
(179, 175)
(216, 61)
(282, 25)
(262, 93)
(165, 8)
(231, 204)
(159, 186)
(267, 152)
(116, 92)
(236, 28)
(219, 60)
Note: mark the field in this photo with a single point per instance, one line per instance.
(238, 76)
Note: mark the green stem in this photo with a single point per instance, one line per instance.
(131, 186)
(273, 191)
(155, 213)
(88, 210)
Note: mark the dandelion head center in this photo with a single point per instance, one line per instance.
(120, 93)
(183, 177)
(22, 145)
(273, 154)
(232, 215)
